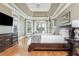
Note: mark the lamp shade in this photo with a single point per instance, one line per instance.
(75, 23)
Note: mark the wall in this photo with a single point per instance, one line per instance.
(21, 26)
(59, 18)
(8, 29)
(75, 11)
(6, 10)
(73, 8)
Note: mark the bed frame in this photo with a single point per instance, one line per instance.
(48, 47)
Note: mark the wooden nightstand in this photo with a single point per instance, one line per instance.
(70, 46)
(76, 47)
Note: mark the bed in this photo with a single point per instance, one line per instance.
(47, 42)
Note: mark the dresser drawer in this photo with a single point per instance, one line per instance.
(7, 44)
(1, 38)
(2, 48)
(2, 44)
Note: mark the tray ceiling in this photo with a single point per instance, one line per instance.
(39, 7)
(43, 9)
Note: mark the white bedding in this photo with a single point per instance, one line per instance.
(29, 42)
(48, 38)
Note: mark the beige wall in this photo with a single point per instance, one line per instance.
(6, 10)
(8, 29)
(74, 9)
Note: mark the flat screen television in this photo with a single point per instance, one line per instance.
(6, 20)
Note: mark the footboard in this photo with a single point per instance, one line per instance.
(48, 47)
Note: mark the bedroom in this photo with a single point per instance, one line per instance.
(39, 30)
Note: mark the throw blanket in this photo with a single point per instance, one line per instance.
(36, 39)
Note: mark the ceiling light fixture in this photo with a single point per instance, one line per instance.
(38, 5)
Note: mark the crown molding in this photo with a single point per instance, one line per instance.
(57, 12)
(40, 18)
(15, 8)
(59, 7)
(66, 6)
(7, 5)
(19, 11)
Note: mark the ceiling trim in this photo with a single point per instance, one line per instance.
(40, 18)
(7, 5)
(58, 9)
(13, 9)
(67, 5)
(19, 11)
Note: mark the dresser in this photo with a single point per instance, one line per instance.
(8, 40)
(14, 39)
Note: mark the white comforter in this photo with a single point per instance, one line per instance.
(48, 38)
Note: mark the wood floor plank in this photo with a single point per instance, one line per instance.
(21, 50)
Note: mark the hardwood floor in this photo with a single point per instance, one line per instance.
(21, 50)
(49, 53)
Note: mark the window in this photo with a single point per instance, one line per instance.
(40, 27)
(29, 27)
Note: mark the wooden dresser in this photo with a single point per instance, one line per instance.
(7, 40)
(14, 39)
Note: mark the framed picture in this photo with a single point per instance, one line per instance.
(66, 17)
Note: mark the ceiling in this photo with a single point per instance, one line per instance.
(24, 8)
(39, 7)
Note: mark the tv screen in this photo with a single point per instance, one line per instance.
(5, 20)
